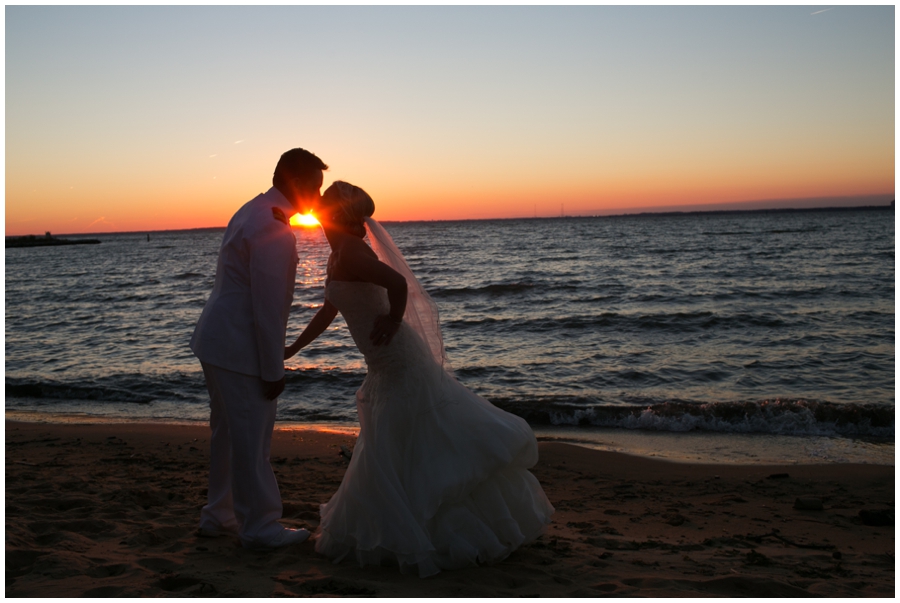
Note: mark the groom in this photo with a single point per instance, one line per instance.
(239, 340)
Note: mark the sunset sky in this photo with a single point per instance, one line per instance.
(162, 117)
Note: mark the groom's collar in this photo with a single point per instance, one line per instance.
(275, 196)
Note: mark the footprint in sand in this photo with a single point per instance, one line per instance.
(159, 565)
(177, 583)
(19, 563)
(108, 571)
(104, 591)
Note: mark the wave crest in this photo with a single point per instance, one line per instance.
(779, 417)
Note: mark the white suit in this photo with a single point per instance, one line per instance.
(239, 340)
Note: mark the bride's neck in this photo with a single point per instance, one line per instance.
(334, 231)
(333, 235)
(336, 237)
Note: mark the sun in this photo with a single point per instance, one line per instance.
(305, 220)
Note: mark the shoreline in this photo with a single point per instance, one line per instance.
(714, 448)
(111, 510)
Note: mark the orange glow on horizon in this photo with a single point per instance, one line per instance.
(98, 210)
(304, 220)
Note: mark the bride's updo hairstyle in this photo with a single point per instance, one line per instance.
(348, 206)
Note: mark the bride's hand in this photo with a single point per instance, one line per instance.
(384, 330)
(316, 327)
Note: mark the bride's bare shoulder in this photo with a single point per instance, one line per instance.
(350, 256)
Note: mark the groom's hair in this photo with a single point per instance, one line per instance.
(296, 163)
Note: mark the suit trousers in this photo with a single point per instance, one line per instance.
(243, 492)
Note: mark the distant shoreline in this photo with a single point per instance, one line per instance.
(28, 241)
(769, 210)
(777, 210)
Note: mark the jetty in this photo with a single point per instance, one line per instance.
(47, 240)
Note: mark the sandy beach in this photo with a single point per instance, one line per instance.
(112, 510)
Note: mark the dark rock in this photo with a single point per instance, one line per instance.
(755, 558)
(674, 519)
(808, 503)
(877, 517)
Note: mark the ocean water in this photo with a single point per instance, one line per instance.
(756, 324)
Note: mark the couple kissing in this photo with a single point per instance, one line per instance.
(439, 478)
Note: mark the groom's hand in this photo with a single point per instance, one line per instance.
(273, 389)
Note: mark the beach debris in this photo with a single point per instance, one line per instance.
(745, 540)
(756, 558)
(579, 524)
(346, 452)
(818, 547)
(674, 519)
(808, 503)
(877, 517)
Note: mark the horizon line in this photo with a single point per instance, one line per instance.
(586, 214)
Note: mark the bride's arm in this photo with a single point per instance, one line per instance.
(316, 327)
(358, 260)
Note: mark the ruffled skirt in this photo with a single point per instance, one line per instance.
(438, 479)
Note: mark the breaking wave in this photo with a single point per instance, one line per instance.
(781, 417)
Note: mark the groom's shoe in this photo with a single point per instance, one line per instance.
(284, 538)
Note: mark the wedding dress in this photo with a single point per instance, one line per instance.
(439, 476)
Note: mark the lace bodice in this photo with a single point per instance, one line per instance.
(360, 304)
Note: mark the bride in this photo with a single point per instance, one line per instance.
(439, 476)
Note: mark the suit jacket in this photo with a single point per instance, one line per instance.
(242, 327)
